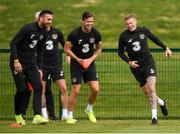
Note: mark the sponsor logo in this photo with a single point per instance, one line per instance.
(130, 40)
(79, 41)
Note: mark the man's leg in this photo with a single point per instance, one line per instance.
(150, 91)
(50, 101)
(61, 83)
(19, 96)
(72, 102)
(34, 77)
(94, 90)
(27, 94)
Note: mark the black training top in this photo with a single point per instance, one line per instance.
(83, 43)
(136, 44)
(50, 51)
(27, 43)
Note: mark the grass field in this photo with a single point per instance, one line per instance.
(102, 126)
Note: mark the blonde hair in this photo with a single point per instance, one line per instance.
(127, 17)
(36, 17)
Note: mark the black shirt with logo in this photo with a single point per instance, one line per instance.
(136, 45)
(27, 43)
(50, 51)
(83, 43)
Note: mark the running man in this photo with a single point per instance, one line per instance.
(141, 62)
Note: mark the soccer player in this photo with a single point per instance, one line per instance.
(48, 95)
(140, 60)
(79, 46)
(24, 47)
(51, 66)
(49, 100)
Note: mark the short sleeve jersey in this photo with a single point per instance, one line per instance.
(50, 51)
(83, 43)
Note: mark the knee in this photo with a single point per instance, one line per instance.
(95, 90)
(64, 90)
(75, 90)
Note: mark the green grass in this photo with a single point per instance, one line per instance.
(161, 16)
(102, 126)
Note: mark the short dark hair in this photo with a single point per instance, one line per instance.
(45, 11)
(127, 17)
(86, 15)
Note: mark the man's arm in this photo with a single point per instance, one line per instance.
(121, 47)
(122, 55)
(151, 36)
(13, 48)
(97, 51)
(17, 41)
(67, 49)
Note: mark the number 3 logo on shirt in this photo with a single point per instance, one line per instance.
(49, 44)
(136, 46)
(85, 48)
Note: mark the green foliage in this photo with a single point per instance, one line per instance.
(161, 16)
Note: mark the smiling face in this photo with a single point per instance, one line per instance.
(46, 20)
(87, 24)
(131, 23)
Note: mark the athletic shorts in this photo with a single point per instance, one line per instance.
(54, 73)
(78, 72)
(141, 73)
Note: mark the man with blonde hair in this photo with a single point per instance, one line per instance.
(140, 60)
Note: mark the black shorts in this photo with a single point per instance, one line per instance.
(78, 72)
(55, 73)
(141, 73)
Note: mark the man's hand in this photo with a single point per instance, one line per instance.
(133, 64)
(86, 63)
(17, 66)
(168, 52)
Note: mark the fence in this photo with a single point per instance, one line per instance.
(120, 96)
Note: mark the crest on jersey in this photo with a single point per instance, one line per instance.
(92, 40)
(79, 41)
(54, 36)
(41, 37)
(141, 36)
